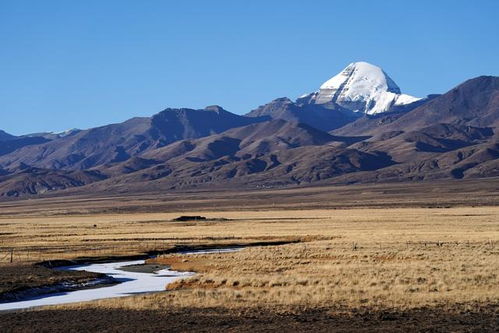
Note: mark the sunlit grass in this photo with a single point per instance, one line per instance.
(403, 258)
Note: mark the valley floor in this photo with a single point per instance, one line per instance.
(379, 258)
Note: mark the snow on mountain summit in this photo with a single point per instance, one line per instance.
(360, 87)
(363, 78)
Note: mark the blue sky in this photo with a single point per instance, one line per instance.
(66, 64)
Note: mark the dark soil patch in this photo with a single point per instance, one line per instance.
(481, 319)
(143, 268)
(177, 248)
(190, 218)
(16, 278)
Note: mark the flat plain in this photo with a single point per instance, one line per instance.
(400, 257)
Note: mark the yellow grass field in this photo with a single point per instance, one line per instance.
(403, 256)
(343, 261)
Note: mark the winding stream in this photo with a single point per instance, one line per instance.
(129, 283)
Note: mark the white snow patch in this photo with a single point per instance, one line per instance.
(131, 283)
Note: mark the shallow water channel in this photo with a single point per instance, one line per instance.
(127, 283)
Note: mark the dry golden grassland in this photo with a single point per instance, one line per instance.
(66, 237)
(347, 260)
(402, 257)
(399, 258)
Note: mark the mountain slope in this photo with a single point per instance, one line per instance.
(178, 124)
(474, 103)
(118, 142)
(11, 145)
(476, 161)
(454, 135)
(30, 181)
(314, 115)
(271, 153)
(4, 136)
(254, 139)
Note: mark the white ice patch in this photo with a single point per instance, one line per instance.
(130, 283)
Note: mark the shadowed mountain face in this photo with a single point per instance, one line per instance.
(473, 103)
(28, 180)
(4, 136)
(119, 142)
(317, 116)
(272, 153)
(451, 136)
(11, 145)
(176, 124)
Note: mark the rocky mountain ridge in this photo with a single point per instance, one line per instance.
(283, 143)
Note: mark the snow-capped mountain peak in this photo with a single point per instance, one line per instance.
(361, 87)
(363, 78)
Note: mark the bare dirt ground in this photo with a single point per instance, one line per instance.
(23, 276)
(434, 194)
(213, 319)
(398, 257)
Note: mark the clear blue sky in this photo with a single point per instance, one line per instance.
(86, 63)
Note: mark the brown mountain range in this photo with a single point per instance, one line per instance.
(453, 135)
